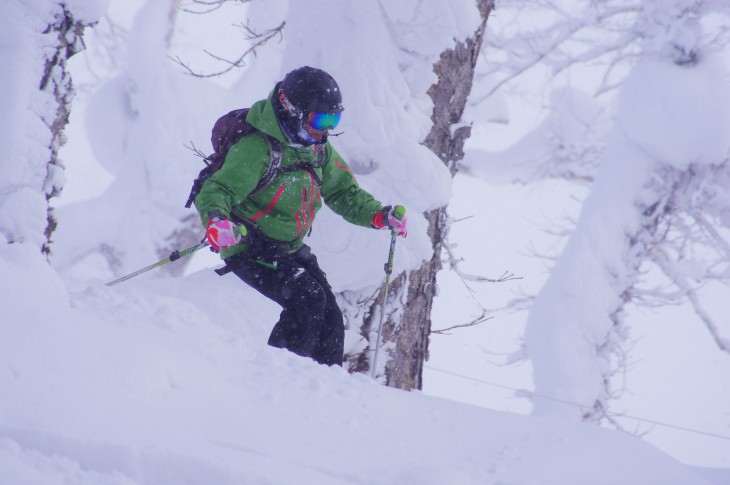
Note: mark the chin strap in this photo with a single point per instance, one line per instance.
(308, 139)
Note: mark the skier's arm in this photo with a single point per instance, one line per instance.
(342, 193)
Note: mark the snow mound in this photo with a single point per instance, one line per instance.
(168, 381)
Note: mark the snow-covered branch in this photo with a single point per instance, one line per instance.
(580, 33)
(658, 198)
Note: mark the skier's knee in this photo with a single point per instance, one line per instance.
(305, 289)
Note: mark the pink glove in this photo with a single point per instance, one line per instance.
(222, 233)
(394, 218)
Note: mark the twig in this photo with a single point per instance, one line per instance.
(453, 221)
(196, 150)
(481, 318)
(454, 264)
(506, 276)
(210, 5)
(240, 62)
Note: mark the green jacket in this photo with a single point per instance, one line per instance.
(285, 210)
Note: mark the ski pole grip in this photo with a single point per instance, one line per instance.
(398, 212)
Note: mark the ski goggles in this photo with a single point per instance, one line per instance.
(324, 121)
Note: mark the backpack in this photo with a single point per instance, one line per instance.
(230, 128)
(227, 131)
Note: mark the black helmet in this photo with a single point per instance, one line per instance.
(310, 90)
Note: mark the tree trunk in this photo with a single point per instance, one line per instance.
(57, 82)
(408, 322)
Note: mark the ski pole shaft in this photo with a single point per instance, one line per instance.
(174, 256)
(388, 272)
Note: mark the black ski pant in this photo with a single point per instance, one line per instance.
(310, 323)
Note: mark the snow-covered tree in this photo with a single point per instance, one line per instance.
(140, 121)
(656, 201)
(409, 328)
(36, 99)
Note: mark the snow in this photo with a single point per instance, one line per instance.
(690, 104)
(573, 129)
(86, 11)
(161, 382)
(164, 380)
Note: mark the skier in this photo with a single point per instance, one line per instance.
(260, 234)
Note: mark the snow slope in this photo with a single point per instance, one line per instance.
(165, 381)
(158, 381)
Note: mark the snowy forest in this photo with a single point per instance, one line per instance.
(556, 312)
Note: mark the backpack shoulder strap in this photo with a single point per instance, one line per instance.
(275, 168)
(309, 167)
(321, 157)
(275, 153)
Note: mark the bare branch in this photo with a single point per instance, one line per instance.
(691, 295)
(208, 6)
(454, 264)
(722, 343)
(260, 40)
(568, 39)
(481, 318)
(196, 150)
(710, 230)
(453, 221)
(506, 276)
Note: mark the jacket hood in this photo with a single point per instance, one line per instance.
(262, 116)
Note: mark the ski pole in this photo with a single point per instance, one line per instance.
(174, 256)
(388, 272)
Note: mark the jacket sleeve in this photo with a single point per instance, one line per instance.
(342, 193)
(245, 164)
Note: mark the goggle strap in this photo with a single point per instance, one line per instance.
(288, 105)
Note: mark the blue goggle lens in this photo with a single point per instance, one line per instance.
(324, 121)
